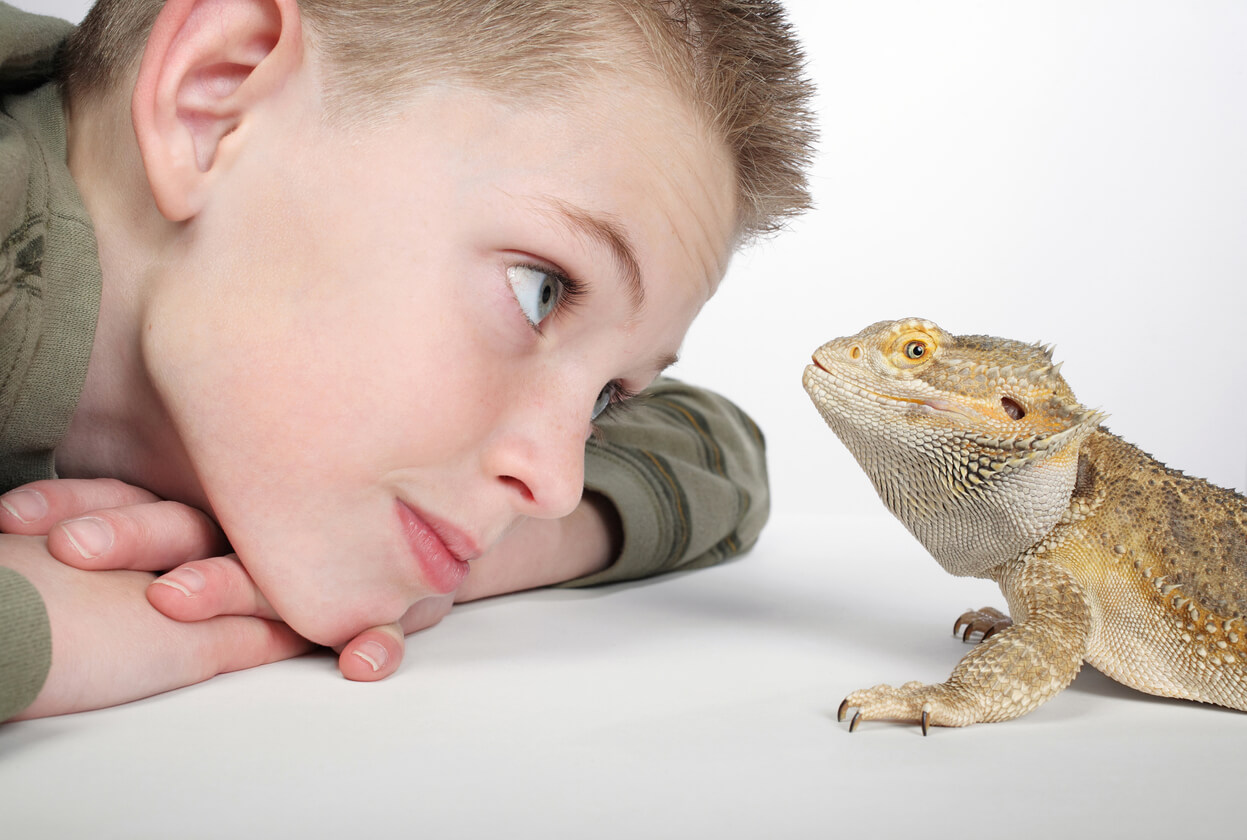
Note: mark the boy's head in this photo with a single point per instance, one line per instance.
(400, 253)
(736, 61)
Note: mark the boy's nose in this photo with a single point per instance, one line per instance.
(539, 455)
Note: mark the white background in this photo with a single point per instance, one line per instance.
(1072, 172)
(1066, 171)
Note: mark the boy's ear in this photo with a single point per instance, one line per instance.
(206, 65)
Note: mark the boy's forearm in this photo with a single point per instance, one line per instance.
(543, 552)
(686, 470)
(83, 618)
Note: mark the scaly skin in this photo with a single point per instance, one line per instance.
(1104, 554)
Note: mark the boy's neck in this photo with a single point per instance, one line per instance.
(120, 428)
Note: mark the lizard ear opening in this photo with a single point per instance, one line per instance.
(1013, 408)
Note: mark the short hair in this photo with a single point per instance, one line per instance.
(736, 61)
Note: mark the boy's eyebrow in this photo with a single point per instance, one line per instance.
(608, 233)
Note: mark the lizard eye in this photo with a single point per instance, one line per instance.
(915, 350)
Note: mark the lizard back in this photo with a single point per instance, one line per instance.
(1193, 532)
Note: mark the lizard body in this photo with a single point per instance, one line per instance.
(1104, 554)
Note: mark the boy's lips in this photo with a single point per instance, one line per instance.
(441, 551)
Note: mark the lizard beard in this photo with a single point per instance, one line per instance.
(969, 507)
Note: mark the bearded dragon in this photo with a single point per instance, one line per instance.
(1104, 554)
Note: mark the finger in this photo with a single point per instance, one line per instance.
(34, 508)
(372, 655)
(203, 589)
(150, 537)
(426, 612)
(238, 642)
(377, 653)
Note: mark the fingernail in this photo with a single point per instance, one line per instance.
(26, 505)
(90, 536)
(373, 653)
(184, 579)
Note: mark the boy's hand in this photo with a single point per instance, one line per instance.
(109, 646)
(107, 524)
(103, 524)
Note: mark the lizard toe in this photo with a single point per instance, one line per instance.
(913, 702)
(987, 622)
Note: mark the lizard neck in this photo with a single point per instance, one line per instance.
(971, 519)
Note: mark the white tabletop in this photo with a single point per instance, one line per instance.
(701, 705)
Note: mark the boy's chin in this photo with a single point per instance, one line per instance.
(328, 635)
(327, 624)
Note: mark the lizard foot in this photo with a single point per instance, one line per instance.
(916, 702)
(988, 621)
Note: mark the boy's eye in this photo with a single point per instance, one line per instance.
(615, 395)
(537, 291)
(603, 400)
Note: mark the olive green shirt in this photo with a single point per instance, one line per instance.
(684, 468)
(49, 299)
(49, 268)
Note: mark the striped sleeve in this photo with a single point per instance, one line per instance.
(686, 470)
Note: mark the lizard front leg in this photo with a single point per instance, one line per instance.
(1007, 674)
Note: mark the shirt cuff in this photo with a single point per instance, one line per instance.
(647, 520)
(25, 643)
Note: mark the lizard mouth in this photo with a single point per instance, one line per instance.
(834, 382)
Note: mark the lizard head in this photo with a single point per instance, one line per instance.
(971, 441)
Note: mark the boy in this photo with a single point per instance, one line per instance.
(369, 273)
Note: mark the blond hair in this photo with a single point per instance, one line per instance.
(735, 61)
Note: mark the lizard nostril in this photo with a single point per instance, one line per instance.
(855, 352)
(1013, 408)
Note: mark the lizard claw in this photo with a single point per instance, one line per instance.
(987, 621)
(913, 702)
(843, 712)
